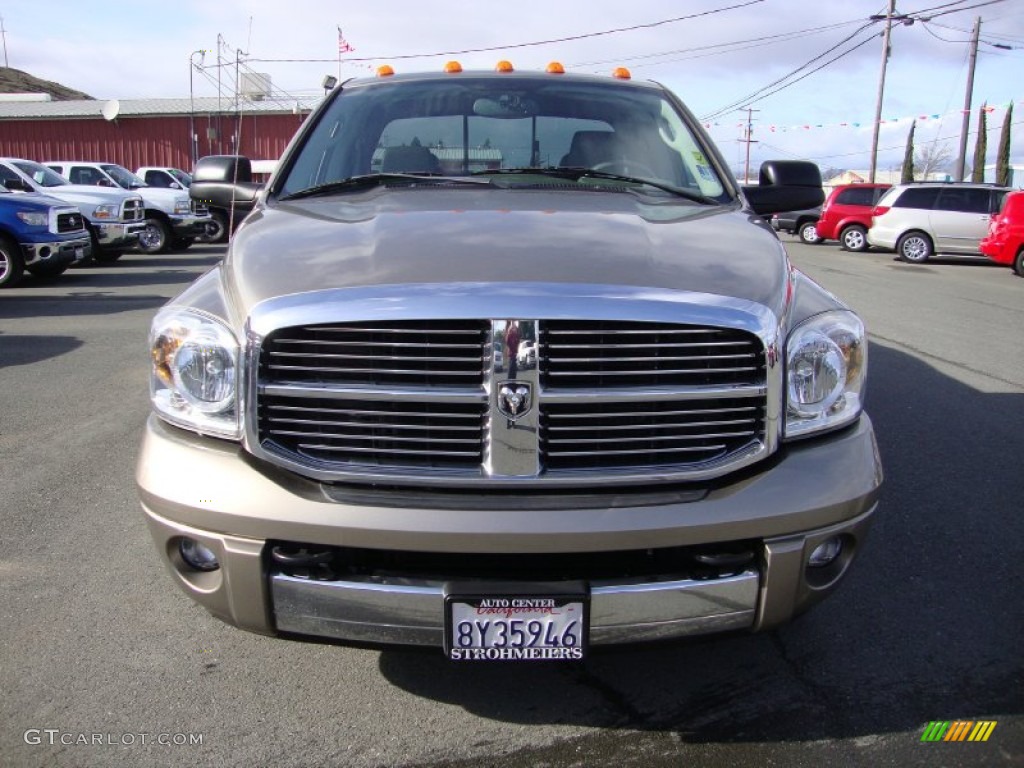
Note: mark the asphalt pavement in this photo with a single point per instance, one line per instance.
(103, 662)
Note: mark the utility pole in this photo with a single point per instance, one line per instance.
(748, 134)
(890, 17)
(962, 154)
(3, 32)
(881, 90)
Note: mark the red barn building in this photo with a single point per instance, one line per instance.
(142, 132)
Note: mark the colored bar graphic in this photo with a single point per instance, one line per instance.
(935, 730)
(982, 730)
(958, 730)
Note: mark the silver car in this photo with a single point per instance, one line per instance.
(347, 443)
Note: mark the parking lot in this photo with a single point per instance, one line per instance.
(97, 640)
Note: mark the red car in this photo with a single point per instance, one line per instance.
(846, 214)
(1005, 241)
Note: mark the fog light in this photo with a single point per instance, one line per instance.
(197, 556)
(825, 553)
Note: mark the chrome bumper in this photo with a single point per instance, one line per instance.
(57, 251)
(119, 234)
(189, 225)
(409, 613)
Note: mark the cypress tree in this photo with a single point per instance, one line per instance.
(907, 175)
(981, 147)
(1003, 155)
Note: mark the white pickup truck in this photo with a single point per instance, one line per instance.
(171, 221)
(113, 217)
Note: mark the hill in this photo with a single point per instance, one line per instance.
(15, 81)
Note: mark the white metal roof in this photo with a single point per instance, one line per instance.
(86, 108)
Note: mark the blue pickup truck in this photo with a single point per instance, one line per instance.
(40, 234)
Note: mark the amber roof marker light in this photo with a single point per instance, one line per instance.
(555, 68)
(504, 66)
(453, 67)
(385, 70)
(622, 73)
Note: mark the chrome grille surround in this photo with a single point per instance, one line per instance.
(68, 220)
(133, 209)
(731, 422)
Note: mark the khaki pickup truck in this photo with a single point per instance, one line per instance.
(506, 363)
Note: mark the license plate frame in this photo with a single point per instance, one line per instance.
(517, 621)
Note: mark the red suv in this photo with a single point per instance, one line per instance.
(1005, 241)
(846, 214)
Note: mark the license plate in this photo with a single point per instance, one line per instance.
(516, 625)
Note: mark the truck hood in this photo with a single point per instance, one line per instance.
(430, 235)
(86, 195)
(32, 201)
(161, 197)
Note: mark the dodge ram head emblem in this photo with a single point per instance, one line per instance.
(514, 399)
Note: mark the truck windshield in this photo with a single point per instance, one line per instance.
(487, 124)
(40, 174)
(123, 177)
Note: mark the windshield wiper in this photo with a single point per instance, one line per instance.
(378, 179)
(575, 174)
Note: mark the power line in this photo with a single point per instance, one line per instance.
(531, 44)
(761, 94)
(769, 39)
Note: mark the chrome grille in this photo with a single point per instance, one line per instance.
(638, 433)
(133, 210)
(435, 354)
(69, 222)
(623, 354)
(420, 401)
(376, 432)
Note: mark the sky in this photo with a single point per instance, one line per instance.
(717, 55)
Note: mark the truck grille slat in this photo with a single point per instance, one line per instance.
(374, 433)
(693, 432)
(428, 354)
(589, 353)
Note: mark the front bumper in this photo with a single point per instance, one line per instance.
(211, 491)
(119, 234)
(57, 251)
(189, 225)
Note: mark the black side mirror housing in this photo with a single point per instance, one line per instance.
(785, 185)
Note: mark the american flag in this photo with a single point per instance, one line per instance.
(343, 46)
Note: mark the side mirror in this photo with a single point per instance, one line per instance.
(785, 185)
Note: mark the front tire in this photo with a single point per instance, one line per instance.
(808, 233)
(915, 247)
(12, 263)
(854, 238)
(156, 237)
(1018, 263)
(216, 229)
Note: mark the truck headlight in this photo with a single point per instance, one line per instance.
(194, 378)
(826, 366)
(183, 207)
(105, 212)
(33, 219)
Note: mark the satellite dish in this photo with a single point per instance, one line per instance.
(111, 109)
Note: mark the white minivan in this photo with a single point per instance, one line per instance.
(920, 220)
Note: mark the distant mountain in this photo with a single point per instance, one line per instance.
(16, 81)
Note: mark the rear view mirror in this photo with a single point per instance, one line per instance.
(785, 185)
(507, 105)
